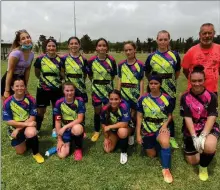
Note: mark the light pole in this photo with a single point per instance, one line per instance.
(74, 18)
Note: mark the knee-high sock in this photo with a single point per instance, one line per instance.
(39, 120)
(123, 144)
(34, 144)
(78, 141)
(171, 126)
(165, 154)
(97, 122)
(205, 159)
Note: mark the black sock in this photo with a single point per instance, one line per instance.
(205, 159)
(97, 122)
(39, 121)
(34, 144)
(171, 126)
(123, 144)
(78, 141)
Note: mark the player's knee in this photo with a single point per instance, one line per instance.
(77, 129)
(122, 133)
(30, 132)
(151, 153)
(192, 160)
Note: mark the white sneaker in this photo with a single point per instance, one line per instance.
(131, 140)
(123, 158)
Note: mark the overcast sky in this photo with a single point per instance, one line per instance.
(113, 20)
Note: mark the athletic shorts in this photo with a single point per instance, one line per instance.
(188, 146)
(67, 136)
(3, 83)
(150, 141)
(20, 138)
(97, 101)
(81, 95)
(44, 98)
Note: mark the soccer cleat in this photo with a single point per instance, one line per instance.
(95, 137)
(54, 133)
(173, 143)
(203, 173)
(123, 158)
(168, 178)
(78, 154)
(38, 158)
(131, 140)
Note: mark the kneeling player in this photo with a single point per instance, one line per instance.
(19, 111)
(69, 115)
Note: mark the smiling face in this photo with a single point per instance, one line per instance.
(25, 39)
(51, 47)
(114, 100)
(69, 92)
(74, 46)
(19, 88)
(197, 81)
(102, 47)
(129, 51)
(206, 35)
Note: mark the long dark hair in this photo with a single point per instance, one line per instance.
(108, 118)
(75, 38)
(102, 39)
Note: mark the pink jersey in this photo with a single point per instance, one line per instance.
(210, 59)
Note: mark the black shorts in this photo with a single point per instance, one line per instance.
(44, 98)
(188, 146)
(3, 83)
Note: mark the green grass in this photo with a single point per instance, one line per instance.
(98, 170)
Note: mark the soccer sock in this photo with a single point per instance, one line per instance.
(165, 154)
(78, 141)
(34, 144)
(134, 126)
(39, 120)
(123, 144)
(172, 128)
(97, 122)
(205, 159)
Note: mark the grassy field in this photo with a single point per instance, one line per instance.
(98, 170)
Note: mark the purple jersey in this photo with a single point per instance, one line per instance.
(108, 117)
(198, 107)
(22, 64)
(19, 110)
(68, 112)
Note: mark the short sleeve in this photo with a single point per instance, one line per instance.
(140, 106)
(119, 70)
(85, 65)
(142, 71)
(184, 108)
(126, 115)
(15, 53)
(148, 67)
(37, 63)
(81, 107)
(213, 106)
(186, 60)
(170, 107)
(7, 113)
(56, 109)
(33, 107)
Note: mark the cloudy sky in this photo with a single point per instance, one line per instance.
(113, 20)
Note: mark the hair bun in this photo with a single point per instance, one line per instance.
(198, 68)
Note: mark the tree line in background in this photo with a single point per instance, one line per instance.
(149, 45)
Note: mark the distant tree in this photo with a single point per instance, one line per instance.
(86, 44)
(149, 45)
(138, 45)
(188, 44)
(42, 40)
(217, 39)
(36, 48)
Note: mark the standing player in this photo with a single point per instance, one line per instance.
(206, 53)
(69, 113)
(101, 70)
(199, 109)
(131, 82)
(154, 113)
(167, 64)
(74, 66)
(19, 62)
(19, 111)
(48, 71)
(114, 118)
